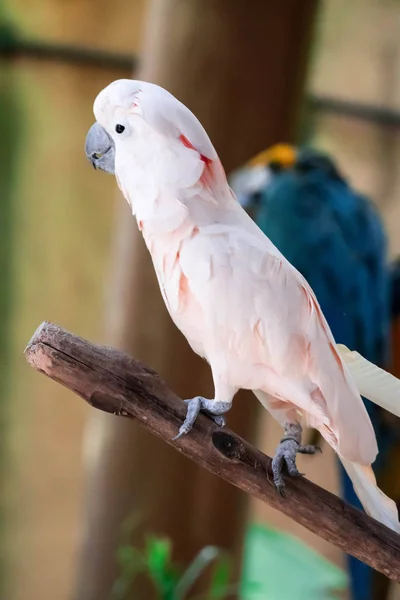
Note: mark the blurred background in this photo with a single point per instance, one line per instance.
(87, 500)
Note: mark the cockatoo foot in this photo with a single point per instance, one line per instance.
(212, 408)
(285, 454)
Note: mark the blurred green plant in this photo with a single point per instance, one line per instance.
(281, 567)
(169, 580)
(276, 566)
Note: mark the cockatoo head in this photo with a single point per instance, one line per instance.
(114, 109)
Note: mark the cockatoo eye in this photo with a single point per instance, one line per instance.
(119, 128)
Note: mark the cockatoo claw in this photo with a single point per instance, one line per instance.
(218, 420)
(280, 489)
(285, 455)
(212, 408)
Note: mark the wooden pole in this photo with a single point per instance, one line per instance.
(118, 384)
(239, 68)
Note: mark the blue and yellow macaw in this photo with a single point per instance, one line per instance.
(335, 238)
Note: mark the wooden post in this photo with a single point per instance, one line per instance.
(239, 67)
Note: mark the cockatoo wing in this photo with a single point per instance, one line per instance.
(263, 329)
(259, 311)
(259, 308)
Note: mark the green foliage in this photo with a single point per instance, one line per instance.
(163, 573)
(220, 579)
(278, 566)
(170, 581)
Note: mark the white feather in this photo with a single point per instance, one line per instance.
(372, 382)
(375, 502)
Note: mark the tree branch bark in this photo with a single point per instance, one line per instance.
(118, 384)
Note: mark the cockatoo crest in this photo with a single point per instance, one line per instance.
(147, 123)
(125, 98)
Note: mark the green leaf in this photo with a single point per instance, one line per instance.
(162, 572)
(195, 569)
(219, 585)
(278, 566)
(129, 558)
(131, 563)
(158, 552)
(121, 587)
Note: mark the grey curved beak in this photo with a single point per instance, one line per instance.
(100, 149)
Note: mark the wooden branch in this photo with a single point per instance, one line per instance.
(118, 384)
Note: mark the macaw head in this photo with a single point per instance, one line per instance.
(253, 179)
(317, 163)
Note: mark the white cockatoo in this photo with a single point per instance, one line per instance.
(240, 304)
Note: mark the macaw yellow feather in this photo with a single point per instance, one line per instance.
(280, 153)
